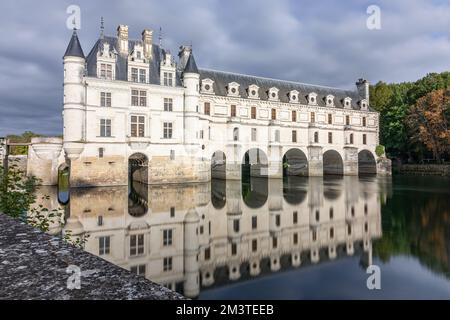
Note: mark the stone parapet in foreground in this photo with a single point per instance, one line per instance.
(33, 265)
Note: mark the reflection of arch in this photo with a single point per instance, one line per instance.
(332, 163)
(255, 192)
(137, 199)
(138, 167)
(366, 163)
(63, 184)
(218, 193)
(295, 189)
(295, 163)
(236, 134)
(218, 165)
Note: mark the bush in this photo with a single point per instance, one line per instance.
(379, 150)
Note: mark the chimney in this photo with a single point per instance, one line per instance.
(147, 40)
(362, 86)
(122, 36)
(183, 55)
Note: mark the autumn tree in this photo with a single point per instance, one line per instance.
(429, 120)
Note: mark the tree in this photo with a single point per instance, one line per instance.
(23, 138)
(429, 121)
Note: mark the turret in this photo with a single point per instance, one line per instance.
(74, 97)
(363, 89)
(191, 81)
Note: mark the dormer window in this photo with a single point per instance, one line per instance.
(233, 89)
(312, 98)
(293, 96)
(253, 91)
(363, 104)
(273, 94)
(347, 103)
(329, 100)
(207, 86)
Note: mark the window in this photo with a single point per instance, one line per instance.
(330, 137)
(167, 264)
(105, 127)
(364, 121)
(201, 134)
(172, 212)
(233, 249)
(167, 237)
(167, 130)
(364, 138)
(253, 134)
(313, 117)
(254, 222)
(138, 98)
(365, 209)
(142, 75)
(331, 213)
(236, 225)
(331, 233)
(100, 221)
(253, 112)
(105, 99)
(235, 134)
(233, 110)
(349, 229)
(137, 126)
(254, 245)
(295, 238)
(103, 245)
(136, 244)
(294, 135)
(139, 270)
(295, 217)
(366, 227)
(168, 79)
(274, 114)
(316, 137)
(274, 242)
(277, 220)
(317, 215)
(351, 138)
(168, 104)
(294, 116)
(314, 235)
(347, 120)
(134, 74)
(101, 152)
(330, 118)
(106, 71)
(207, 108)
(207, 253)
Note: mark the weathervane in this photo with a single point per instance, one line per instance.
(102, 27)
(160, 37)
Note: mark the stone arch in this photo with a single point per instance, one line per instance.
(255, 163)
(138, 168)
(366, 163)
(218, 165)
(295, 163)
(332, 163)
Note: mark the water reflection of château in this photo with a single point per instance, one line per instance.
(193, 237)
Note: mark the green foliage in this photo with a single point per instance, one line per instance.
(379, 150)
(23, 138)
(394, 101)
(18, 200)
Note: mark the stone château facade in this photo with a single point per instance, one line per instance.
(130, 108)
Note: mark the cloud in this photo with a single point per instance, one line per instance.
(324, 42)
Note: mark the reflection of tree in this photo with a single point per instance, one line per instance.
(417, 223)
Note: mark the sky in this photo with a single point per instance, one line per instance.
(323, 42)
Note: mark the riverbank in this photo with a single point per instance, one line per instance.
(36, 265)
(423, 169)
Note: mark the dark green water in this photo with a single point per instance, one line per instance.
(298, 239)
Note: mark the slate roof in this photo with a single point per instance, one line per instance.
(222, 79)
(74, 48)
(191, 66)
(122, 60)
